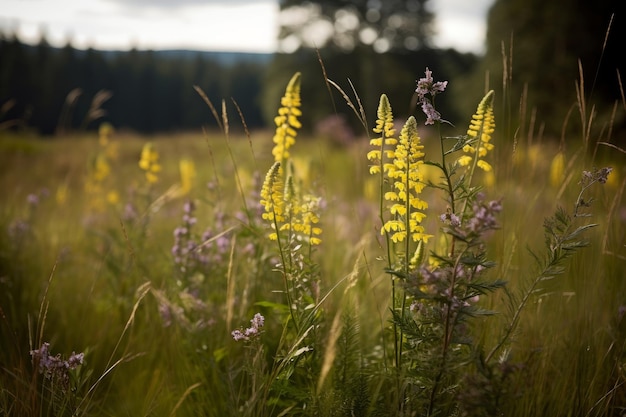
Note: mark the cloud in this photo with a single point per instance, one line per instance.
(475, 9)
(175, 4)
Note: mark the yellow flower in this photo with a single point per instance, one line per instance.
(287, 120)
(309, 218)
(149, 162)
(187, 174)
(113, 197)
(61, 194)
(272, 198)
(101, 168)
(104, 133)
(489, 179)
(479, 133)
(557, 170)
(384, 127)
(408, 183)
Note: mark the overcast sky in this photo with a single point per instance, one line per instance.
(223, 25)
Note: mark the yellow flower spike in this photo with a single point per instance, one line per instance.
(113, 197)
(287, 121)
(557, 170)
(149, 162)
(272, 193)
(480, 129)
(61, 194)
(187, 175)
(309, 217)
(104, 133)
(489, 179)
(384, 127)
(408, 183)
(101, 169)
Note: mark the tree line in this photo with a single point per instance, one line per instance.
(532, 59)
(61, 89)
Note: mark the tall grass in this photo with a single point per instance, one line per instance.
(425, 270)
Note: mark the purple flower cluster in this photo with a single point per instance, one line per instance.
(53, 367)
(257, 323)
(451, 219)
(19, 229)
(427, 87)
(191, 255)
(600, 175)
(484, 218)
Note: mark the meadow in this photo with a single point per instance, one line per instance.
(423, 270)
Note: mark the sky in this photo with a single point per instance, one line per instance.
(208, 25)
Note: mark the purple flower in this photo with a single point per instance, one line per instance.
(188, 207)
(257, 322)
(603, 174)
(451, 219)
(237, 335)
(427, 87)
(432, 115)
(33, 199)
(130, 213)
(53, 367)
(75, 360)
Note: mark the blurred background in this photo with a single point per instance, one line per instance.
(71, 65)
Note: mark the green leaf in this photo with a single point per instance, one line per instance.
(283, 308)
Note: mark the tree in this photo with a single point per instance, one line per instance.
(388, 25)
(546, 40)
(380, 46)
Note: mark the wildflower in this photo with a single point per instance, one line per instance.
(384, 126)
(53, 367)
(589, 178)
(300, 214)
(113, 197)
(305, 219)
(61, 193)
(238, 335)
(484, 216)
(408, 183)
(603, 174)
(149, 162)
(557, 168)
(479, 134)
(287, 120)
(104, 133)
(432, 115)
(272, 198)
(32, 199)
(600, 175)
(101, 168)
(187, 175)
(450, 218)
(426, 86)
(257, 322)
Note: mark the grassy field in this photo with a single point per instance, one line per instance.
(153, 257)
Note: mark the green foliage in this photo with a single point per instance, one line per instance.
(410, 21)
(542, 66)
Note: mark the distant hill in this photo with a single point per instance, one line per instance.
(221, 57)
(53, 89)
(224, 58)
